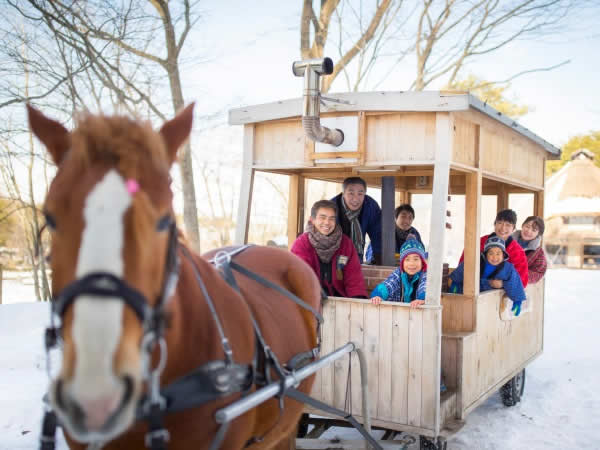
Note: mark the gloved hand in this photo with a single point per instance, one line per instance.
(516, 309)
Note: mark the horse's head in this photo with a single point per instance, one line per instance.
(109, 209)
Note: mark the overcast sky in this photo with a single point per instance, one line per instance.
(251, 48)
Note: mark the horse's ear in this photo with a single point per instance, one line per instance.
(52, 134)
(177, 130)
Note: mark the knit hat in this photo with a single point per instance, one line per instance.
(412, 246)
(495, 241)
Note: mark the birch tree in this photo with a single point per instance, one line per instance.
(122, 52)
(433, 39)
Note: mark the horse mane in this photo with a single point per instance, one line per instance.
(119, 141)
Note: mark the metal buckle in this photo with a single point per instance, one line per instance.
(156, 434)
(221, 258)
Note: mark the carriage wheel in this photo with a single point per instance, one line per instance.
(427, 443)
(512, 391)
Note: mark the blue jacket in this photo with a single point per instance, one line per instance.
(412, 230)
(505, 271)
(370, 221)
(393, 289)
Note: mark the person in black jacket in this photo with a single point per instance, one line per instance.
(359, 215)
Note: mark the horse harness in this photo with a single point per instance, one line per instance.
(211, 381)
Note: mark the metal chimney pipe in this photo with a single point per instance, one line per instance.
(311, 70)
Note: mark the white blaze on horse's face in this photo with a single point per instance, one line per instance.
(97, 322)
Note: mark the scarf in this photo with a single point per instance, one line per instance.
(355, 230)
(325, 246)
(408, 285)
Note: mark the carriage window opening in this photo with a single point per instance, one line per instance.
(269, 213)
(522, 204)
(488, 214)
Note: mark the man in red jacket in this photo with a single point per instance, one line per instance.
(504, 225)
(330, 253)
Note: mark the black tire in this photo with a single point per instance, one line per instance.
(303, 426)
(512, 391)
(427, 443)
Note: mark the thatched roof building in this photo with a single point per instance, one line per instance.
(573, 213)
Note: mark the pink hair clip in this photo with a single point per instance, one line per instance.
(132, 186)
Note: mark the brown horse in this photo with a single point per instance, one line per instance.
(109, 209)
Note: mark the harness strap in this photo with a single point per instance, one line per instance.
(48, 436)
(277, 288)
(157, 436)
(102, 284)
(213, 380)
(303, 398)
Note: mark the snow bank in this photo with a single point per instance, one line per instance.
(560, 408)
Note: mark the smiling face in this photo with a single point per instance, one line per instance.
(529, 231)
(324, 221)
(412, 264)
(494, 256)
(110, 191)
(354, 196)
(503, 229)
(404, 220)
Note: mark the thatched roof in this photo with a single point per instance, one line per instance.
(574, 189)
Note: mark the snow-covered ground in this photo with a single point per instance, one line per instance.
(560, 409)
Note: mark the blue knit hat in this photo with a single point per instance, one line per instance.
(412, 246)
(495, 241)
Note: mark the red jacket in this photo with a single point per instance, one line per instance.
(352, 283)
(516, 257)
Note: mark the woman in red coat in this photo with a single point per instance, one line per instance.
(330, 253)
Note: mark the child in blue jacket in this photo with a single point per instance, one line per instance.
(494, 265)
(408, 282)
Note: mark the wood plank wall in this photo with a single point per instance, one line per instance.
(399, 345)
(395, 137)
(502, 152)
(498, 347)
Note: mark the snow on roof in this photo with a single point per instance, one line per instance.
(574, 189)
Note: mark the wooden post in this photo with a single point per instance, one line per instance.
(538, 204)
(441, 178)
(388, 234)
(502, 198)
(472, 232)
(444, 138)
(243, 218)
(295, 208)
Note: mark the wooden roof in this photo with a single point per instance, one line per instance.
(406, 101)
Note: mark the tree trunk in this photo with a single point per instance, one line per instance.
(190, 212)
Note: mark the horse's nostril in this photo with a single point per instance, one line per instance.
(128, 391)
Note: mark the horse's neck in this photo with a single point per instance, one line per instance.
(192, 335)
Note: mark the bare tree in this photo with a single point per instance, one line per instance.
(120, 52)
(438, 37)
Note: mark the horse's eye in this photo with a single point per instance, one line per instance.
(163, 223)
(50, 221)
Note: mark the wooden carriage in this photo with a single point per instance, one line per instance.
(407, 142)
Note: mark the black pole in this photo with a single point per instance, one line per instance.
(388, 235)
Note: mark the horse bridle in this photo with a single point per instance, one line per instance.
(99, 285)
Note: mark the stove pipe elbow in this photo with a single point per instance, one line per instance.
(311, 70)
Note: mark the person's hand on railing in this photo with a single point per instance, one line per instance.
(496, 284)
(416, 303)
(376, 300)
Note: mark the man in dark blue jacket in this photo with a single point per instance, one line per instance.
(358, 215)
